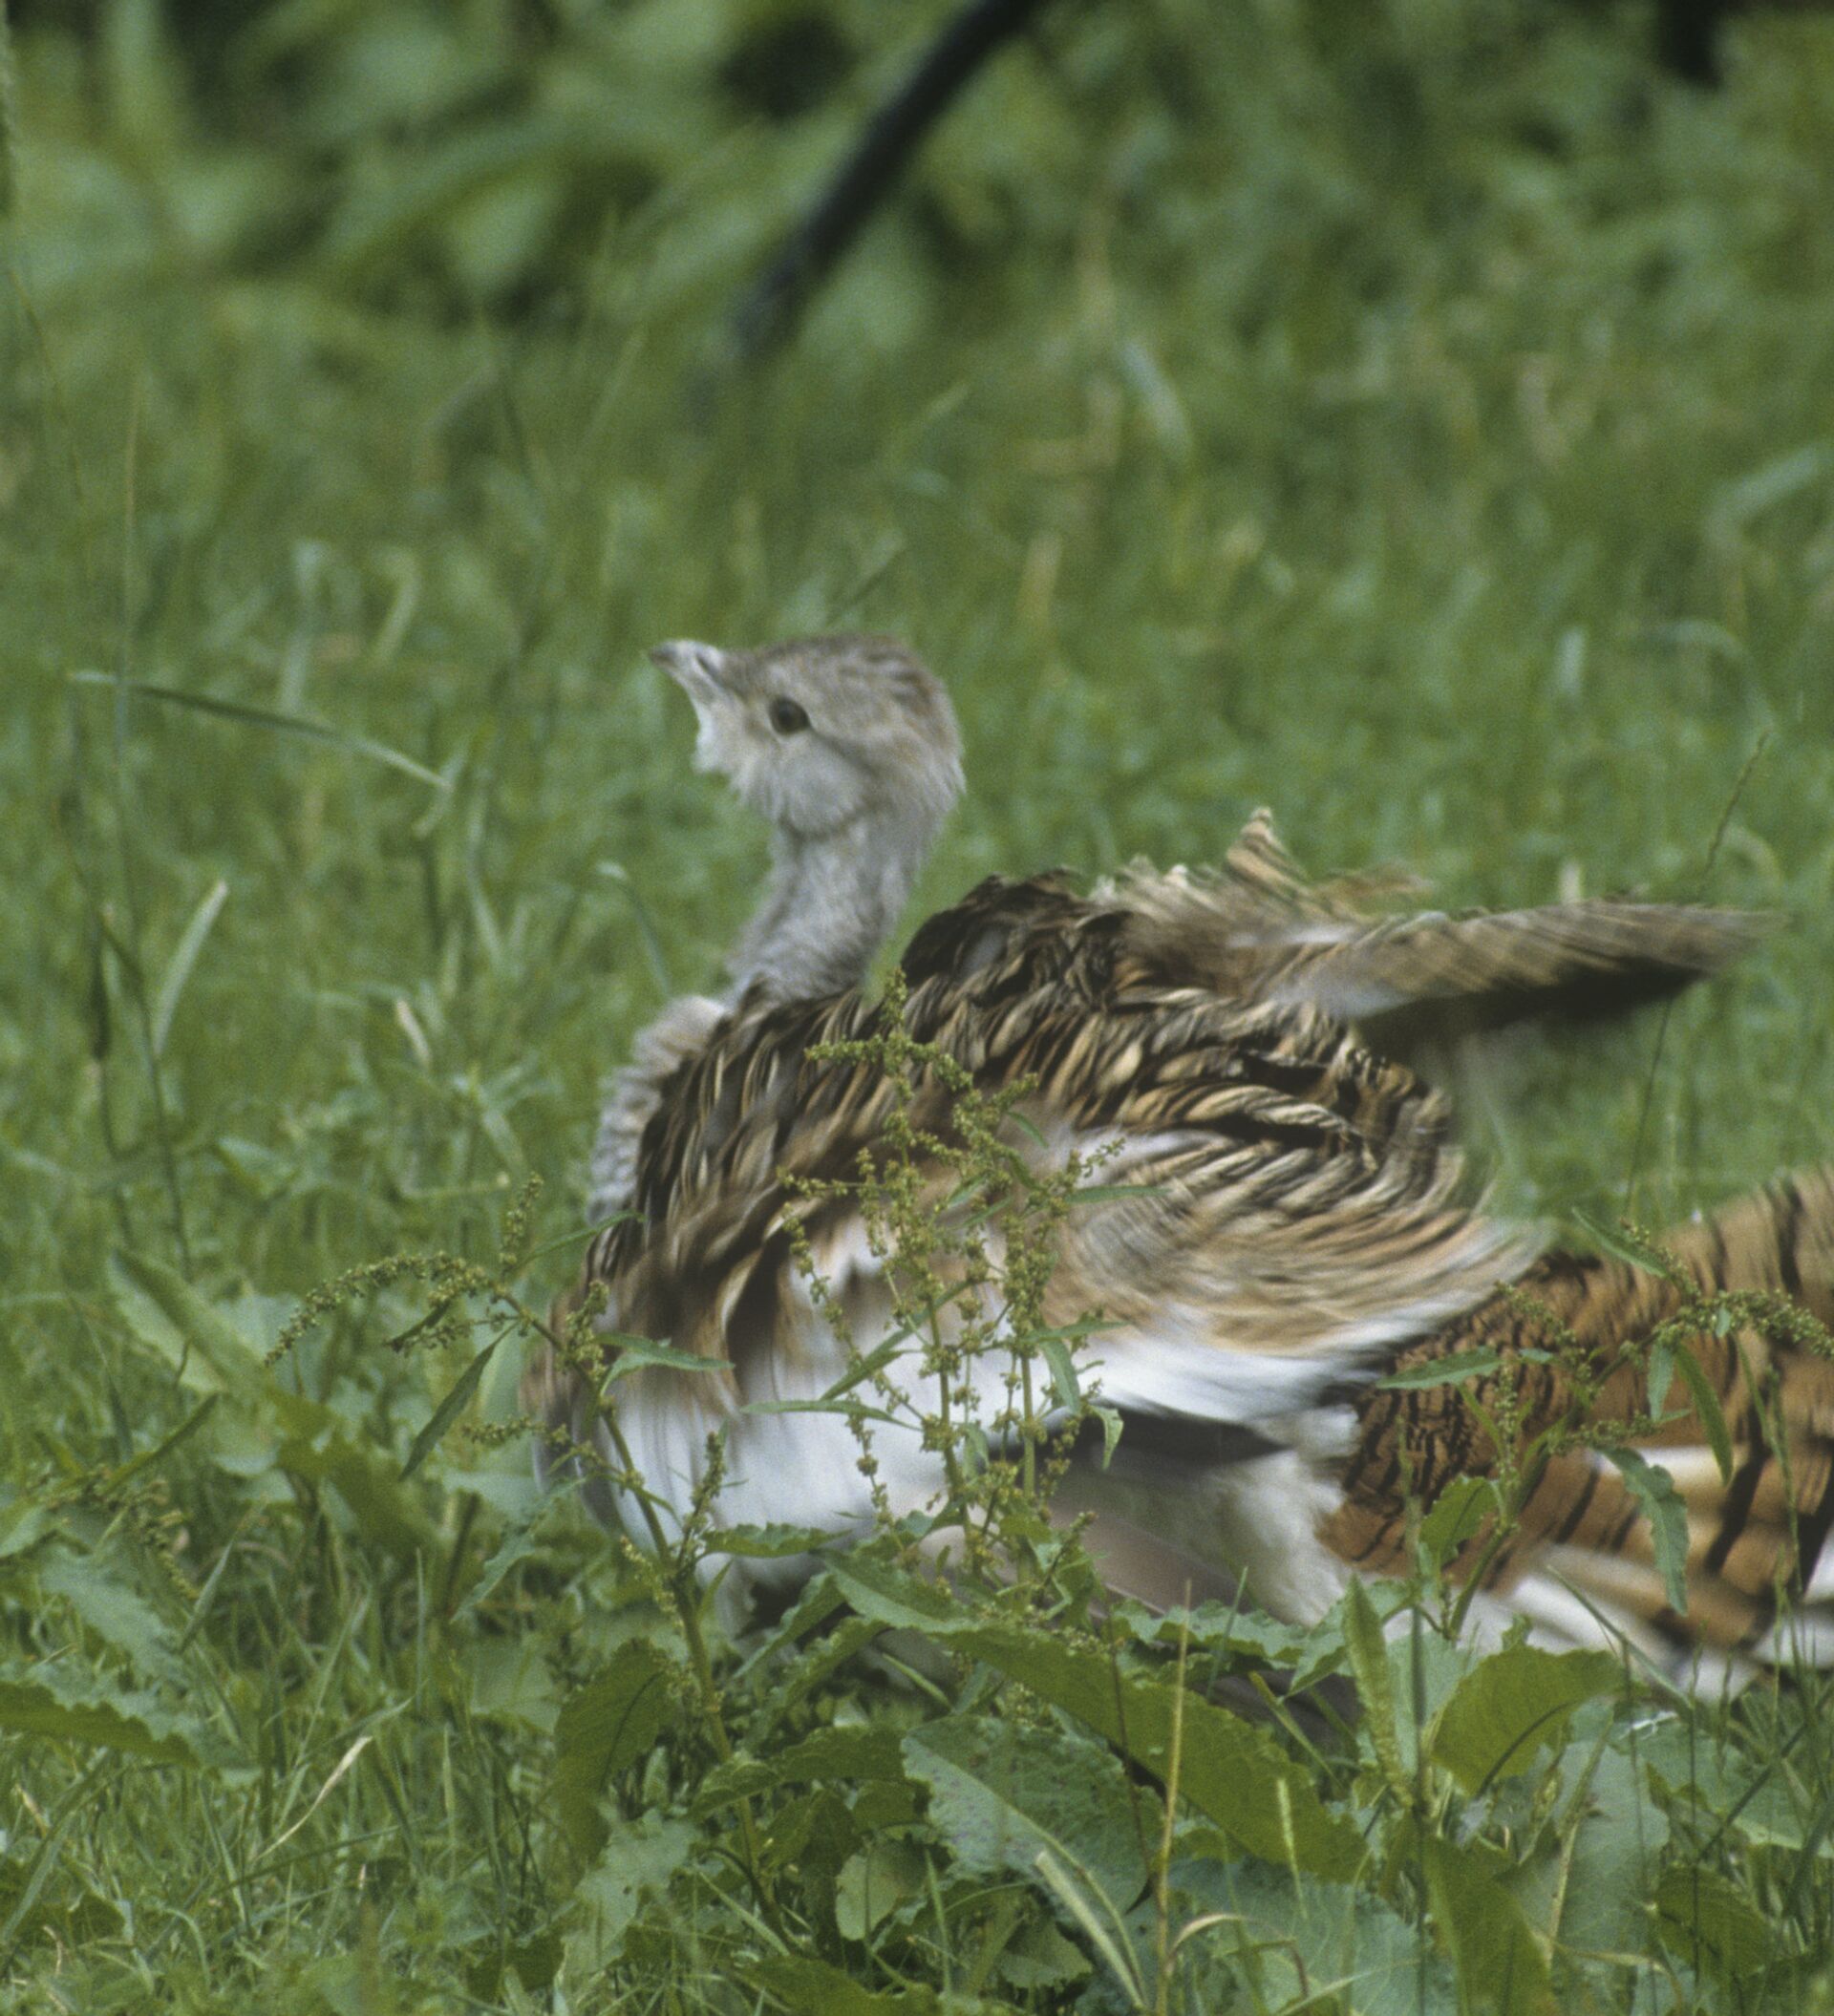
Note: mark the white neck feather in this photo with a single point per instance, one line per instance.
(829, 905)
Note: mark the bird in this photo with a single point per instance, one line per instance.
(1288, 1242)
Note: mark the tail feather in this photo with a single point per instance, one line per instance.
(1755, 1537)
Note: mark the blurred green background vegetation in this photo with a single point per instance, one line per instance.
(1419, 417)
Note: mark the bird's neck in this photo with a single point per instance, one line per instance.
(828, 907)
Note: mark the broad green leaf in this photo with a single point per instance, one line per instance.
(40, 1702)
(860, 1751)
(639, 1858)
(118, 1614)
(603, 1728)
(1610, 1860)
(811, 1987)
(1500, 1965)
(830, 1652)
(874, 1881)
(863, 1749)
(1236, 1775)
(1359, 1955)
(448, 1411)
(635, 1353)
(1066, 1389)
(1216, 1627)
(1768, 1817)
(818, 1601)
(813, 1832)
(1457, 1517)
(1709, 1924)
(510, 1678)
(1718, 1789)
(1623, 1243)
(738, 1777)
(1512, 1703)
(1039, 1956)
(195, 1338)
(1706, 1406)
(892, 1596)
(1453, 1370)
(534, 1961)
(1111, 1431)
(770, 1544)
(1000, 1793)
(1653, 1489)
(23, 1524)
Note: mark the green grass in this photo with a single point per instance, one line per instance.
(1424, 426)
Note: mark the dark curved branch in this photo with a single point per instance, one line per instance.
(1688, 31)
(1687, 35)
(769, 310)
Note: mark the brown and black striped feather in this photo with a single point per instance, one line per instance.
(1293, 1167)
(1257, 931)
(1299, 1198)
(1752, 1538)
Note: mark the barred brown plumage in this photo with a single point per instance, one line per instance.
(1291, 1216)
(1751, 1538)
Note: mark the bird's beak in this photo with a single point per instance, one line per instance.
(704, 673)
(700, 670)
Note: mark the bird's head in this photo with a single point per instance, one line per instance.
(823, 733)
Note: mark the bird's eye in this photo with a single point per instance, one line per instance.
(788, 717)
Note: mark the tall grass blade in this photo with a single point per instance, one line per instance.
(9, 118)
(448, 1411)
(127, 828)
(267, 718)
(177, 971)
(1071, 1895)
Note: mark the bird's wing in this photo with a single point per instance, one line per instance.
(1285, 1217)
(1257, 931)
(1279, 1211)
(1288, 1204)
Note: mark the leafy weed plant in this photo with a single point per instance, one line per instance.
(1051, 1809)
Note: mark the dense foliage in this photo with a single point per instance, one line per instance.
(1417, 418)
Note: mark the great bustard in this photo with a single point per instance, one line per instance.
(1292, 1219)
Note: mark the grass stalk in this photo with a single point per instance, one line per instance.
(126, 826)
